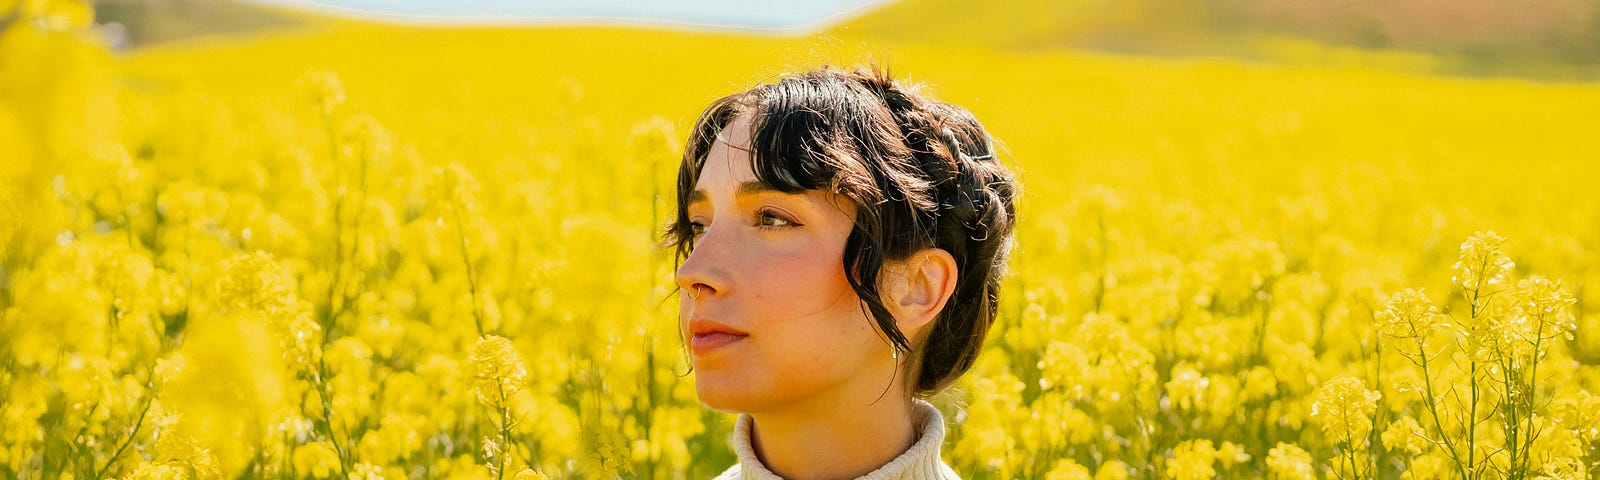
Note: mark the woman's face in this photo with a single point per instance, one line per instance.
(768, 314)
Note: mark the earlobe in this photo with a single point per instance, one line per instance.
(928, 281)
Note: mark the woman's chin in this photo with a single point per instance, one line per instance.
(722, 396)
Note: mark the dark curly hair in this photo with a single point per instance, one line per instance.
(921, 173)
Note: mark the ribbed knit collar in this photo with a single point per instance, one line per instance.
(921, 461)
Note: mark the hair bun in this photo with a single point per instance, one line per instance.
(975, 197)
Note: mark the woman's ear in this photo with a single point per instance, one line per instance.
(920, 286)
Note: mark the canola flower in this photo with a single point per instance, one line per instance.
(1482, 267)
(499, 372)
(1343, 409)
(301, 268)
(1410, 316)
(1506, 336)
(1405, 435)
(1193, 460)
(1289, 462)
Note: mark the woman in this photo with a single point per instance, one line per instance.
(840, 240)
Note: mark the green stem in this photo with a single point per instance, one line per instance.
(1139, 420)
(1433, 409)
(1100, 276)
(1472, 372)
(132, 434)
(320, 380)
(331, 313)
(1533, 385)
(505, 436)
(472, 278)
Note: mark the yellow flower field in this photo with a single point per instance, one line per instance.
(357, 250)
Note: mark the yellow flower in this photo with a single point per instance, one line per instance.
(11, 218)
(1188, 386)
(21, 435)
(1344, 409)
(157, 471)
(1231, 454)
(1564, 469)
(1259, 384)
(669, 427)
(1482, 268)
(253, 281)
(1080, 427)
(1062, 367)
(1192, 460)
(1524, 330)
(316, 460)
(1243, 266)
(1112, 470)
(530, 474)
(301, 341)
(324, 89)
(452, 188)
(168, 367)
(1547, 304)
(1066, 469)
(499, 372)
(395, 439)
(1288, 461)
(184, 450)
(1410, 315)
(1405, 435)
(986, 429)
(136, 263)
(84, 381)
(365, 136)
(1432, 465)
(1579, 413)
(187, 204)
(1109, 343)
(654, 141)
(366, 471)
(1555, 443)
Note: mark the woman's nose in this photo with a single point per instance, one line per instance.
(704, 272)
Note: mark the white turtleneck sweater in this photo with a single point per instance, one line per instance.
(919, 462)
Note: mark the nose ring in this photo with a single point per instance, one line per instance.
(696, 295)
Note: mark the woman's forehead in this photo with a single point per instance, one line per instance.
(727, 163)
(728, 160)
(729, 172)
(737, 132)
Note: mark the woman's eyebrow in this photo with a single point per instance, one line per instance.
(745, 189)
(754, 187)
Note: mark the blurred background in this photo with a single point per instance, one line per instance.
(370, 239)
(1544, 39)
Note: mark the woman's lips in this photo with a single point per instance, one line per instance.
(707, 335)
(706, 342)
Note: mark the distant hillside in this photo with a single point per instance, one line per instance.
(1541, 39)
(1556, 39)
(145, 22)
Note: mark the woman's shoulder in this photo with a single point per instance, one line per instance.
(920, 462)
(734, 473)
(944, 473)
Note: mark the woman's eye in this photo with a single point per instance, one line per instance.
(697, 229)
(767, 218)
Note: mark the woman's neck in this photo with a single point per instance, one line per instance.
(834, 441)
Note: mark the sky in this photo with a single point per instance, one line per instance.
(766, 15)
